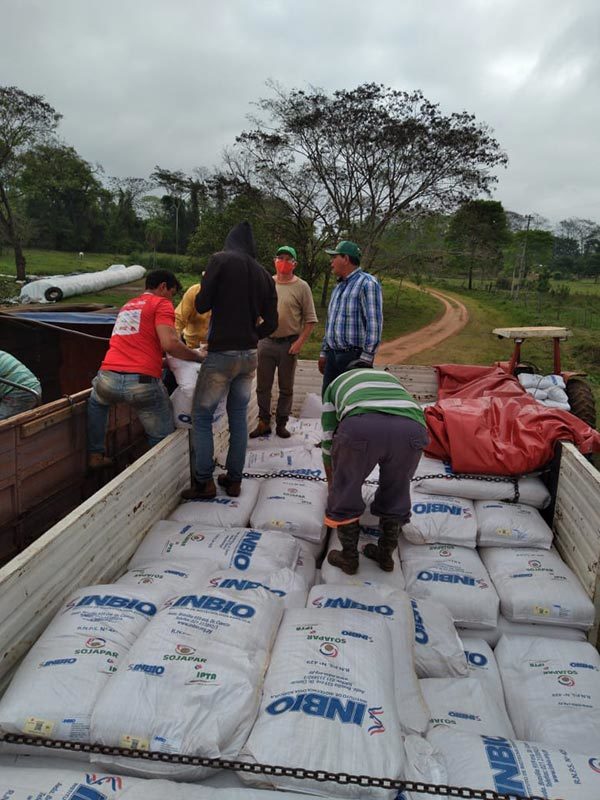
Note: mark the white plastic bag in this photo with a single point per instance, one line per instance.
(552, 690)
(369, 571)
(529, 381)
(438, 649)
(286, 584)
(439, 518)
(462, 704)
(243, 549)
(56, 686)
(292, 505)
(305, 460)
(192, 683)
(222, 511)
(482, 665)
(537, 586)
(394, 607)
(322, 708)
(511, 525)
(454, 577)
(531, 488)
(506, 766)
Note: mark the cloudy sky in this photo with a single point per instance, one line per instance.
(171, 82)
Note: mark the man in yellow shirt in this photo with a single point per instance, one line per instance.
(188, 322)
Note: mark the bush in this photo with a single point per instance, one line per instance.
(503, 282)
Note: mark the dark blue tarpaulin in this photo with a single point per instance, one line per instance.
(67, 317)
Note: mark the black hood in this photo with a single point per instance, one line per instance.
(241, 238)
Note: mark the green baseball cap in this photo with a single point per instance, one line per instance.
(346, 248)
(287, 249)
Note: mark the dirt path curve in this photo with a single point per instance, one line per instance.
(454, 319)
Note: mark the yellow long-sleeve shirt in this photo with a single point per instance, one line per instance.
(188, 321)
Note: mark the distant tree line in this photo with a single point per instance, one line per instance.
(383, 167)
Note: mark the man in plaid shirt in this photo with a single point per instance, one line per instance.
(354, 317)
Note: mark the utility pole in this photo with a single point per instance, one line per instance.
(514, 290)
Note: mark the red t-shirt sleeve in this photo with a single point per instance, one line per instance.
(164, 313)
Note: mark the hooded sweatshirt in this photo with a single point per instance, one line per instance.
(239, 292)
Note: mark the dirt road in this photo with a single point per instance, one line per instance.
(453, 320)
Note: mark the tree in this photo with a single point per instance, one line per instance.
(155, 230)
(25, 121)
(176, 185)
(476, 235)
(352, 161)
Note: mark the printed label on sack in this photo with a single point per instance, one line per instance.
(504, 764)
(346, 712)
(38, 727)
(134, 742)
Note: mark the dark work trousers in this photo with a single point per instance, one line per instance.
(362, 441)
(336, 362)
(273, 354)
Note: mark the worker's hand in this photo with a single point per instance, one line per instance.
(322, 361)
(295, 348)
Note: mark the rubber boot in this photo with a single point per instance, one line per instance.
(346, 558)
(262, 429)
(200, 490)
(382, 552)
(232, 488)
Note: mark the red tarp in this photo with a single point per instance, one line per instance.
(486, 423)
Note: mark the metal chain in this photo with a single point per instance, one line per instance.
(322, 776)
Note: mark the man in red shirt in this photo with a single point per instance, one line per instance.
(132, 368)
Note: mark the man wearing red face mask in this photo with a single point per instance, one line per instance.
(279, 351)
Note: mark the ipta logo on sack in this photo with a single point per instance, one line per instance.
(377, 725)
(421, 635)
(445, 577)
(245, 549)
(328, 649)
(315, 704)
(95, 641)
(203, 677)
(184, 650)
(147, 669)
(595, 764)
(504, 765)
(566, 680)
(92, 779)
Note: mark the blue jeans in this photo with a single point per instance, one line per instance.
(223, 374)
(336, 362)
(17, 401)
(150, 401)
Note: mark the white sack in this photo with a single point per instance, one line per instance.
(191, 684)
(557, 404)
(538, 394)
(242, 549)
(58, 682)
(537, 586)
(369, 571)
(511, 525)
(328, 702)
(552, 690)
(490, 636)
(531, 488)
(462, 704)
(557, 394)
(394, 607)
(529, 381)
(438, 518)
(185, 372)
(286, 462)
(535, 629)
(222, 511)
(454, 577)
(438, 649)
(305, 565)
(482, 665)
(292, 505)
(312, 406)
(163, 578)
(181, 400)
(505, 766)
(286, 584)
(304, 433)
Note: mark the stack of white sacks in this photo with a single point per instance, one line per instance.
(220, 640)
(550, 390)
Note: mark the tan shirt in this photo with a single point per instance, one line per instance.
(295, 306)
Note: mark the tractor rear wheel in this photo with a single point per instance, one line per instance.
(581, 400)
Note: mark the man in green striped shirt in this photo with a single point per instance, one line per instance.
(369, 419)
(20, 390)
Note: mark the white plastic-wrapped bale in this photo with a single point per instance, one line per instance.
(506, 766)
(241, 549)
(443, 519)
(222, 511)
(552, 690)
(163, 578)
(482, 665)
(511, 525)
(329, 702)
(463, 704)
(454, 577)
(368, 570)
(537, 586)
(293, 506)
(55, 688)
(438, 649)
(394, 607)
(191, 684)
(286, 584)
(56, 287)
(304, 461)
(484, 487)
